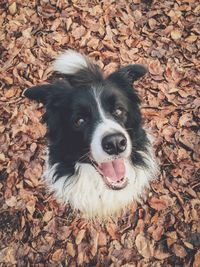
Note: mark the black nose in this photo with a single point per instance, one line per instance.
(113, 144)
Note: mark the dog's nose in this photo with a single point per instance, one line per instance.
(113, 144)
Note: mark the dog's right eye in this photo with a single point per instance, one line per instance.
(78, 122)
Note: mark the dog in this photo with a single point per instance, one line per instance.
(100, 157)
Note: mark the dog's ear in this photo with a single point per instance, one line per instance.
(42, 93)
(39, 93)
(130, 74)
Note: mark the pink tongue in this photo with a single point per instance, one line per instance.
(115, 170)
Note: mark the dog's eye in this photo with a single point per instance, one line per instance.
(79, 122)
(118, 112)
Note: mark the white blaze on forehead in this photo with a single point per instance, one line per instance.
(70, 62)
(105, 127)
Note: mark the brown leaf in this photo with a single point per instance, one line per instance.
(126, 255)
(80, 236)
(30, 206)
(112, 230)
(196, 259)
(191, 39)
(155, 67)
(152, 23)
(10, 93)
(179, 251)
(63, 232)
(47, 216)
(102, 240)
(186, 120)
(157, 204)
(160, 255)
(79, 32)
(11, 202)
(70, 249)
(8, 255)
(93, 43)
(57, 255)
(168, 131)
(137, 14)
(157, 233)
(13, 8)
(145, 246)
(51, 227)
(176, 34)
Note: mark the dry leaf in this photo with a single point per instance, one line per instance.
(162, 35)
(11, 202)
(8, 256)
(160, 255)
(102, 240)
(57, 255)
(158, 204)
(13, 8)
(79, 32)
(80, 236)
(112, 230)
(2, 157)
(145, 246)
(70, 249)
(176, 34)
(196, 259)
(191, 39)
(179, 251)
(47, 216)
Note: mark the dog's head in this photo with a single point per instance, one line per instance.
(92, 119)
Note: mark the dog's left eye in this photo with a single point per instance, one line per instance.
(118, 112)
(79, 122)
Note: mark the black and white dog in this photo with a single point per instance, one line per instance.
(99, 155)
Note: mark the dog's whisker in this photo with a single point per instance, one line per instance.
(84, 157)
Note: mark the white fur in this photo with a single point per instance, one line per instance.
(87, 192)
(70, 62)
(105, 127)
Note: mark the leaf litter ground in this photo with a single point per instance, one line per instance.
(164, 35)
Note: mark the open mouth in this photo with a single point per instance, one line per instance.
(113, 173)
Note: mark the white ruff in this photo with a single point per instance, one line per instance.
(70, 62)
(87, 192)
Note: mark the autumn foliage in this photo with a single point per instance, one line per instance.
(35, 230)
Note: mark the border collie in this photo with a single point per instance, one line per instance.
(100, 158)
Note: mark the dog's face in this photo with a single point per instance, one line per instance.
(95, 121)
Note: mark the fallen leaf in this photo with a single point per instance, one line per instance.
(11, 202)
(179, 251)
(160, 255)
(8, 255)
(80, 236)
(2, 157)
(145, 246)
(157, 204)
(196, 259)
(79, 32)
(70, 249)
(176, 34)
(102, 240)
(112, 230)
(191, 39)
(47, 216)
(157, 233)
(57, 255)
(12, 8)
